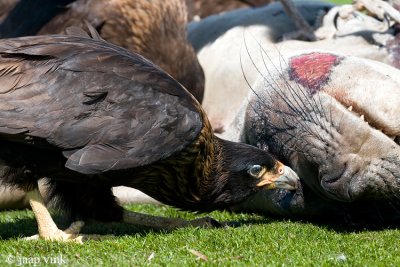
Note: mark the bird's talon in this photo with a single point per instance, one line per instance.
(69, 234)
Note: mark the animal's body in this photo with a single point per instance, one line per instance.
(333, 119)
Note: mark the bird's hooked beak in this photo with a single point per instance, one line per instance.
(280, 176)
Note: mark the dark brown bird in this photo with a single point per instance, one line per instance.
(155, 29)
(90, 115)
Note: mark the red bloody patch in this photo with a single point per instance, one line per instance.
(312, 70)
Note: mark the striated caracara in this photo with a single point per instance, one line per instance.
(90, 115)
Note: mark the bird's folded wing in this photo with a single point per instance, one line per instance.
(104, 106)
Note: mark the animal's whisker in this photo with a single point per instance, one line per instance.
(291, 102)
(311, 104)
(296, 95)
(302, 113)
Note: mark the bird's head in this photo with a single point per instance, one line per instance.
(242, 170)
(279, 176)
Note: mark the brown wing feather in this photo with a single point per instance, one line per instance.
(113, 108)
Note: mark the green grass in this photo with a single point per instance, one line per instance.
(256, 241)
(340, 2)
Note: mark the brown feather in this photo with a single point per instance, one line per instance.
(155, 29)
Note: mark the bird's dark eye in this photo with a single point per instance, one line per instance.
(255, 170)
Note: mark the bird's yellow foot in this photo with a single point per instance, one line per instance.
(69, 234)
(48, 230)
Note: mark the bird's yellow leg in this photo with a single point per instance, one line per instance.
(164, 223)
(48, 230)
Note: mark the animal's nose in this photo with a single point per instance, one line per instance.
(337, 181)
